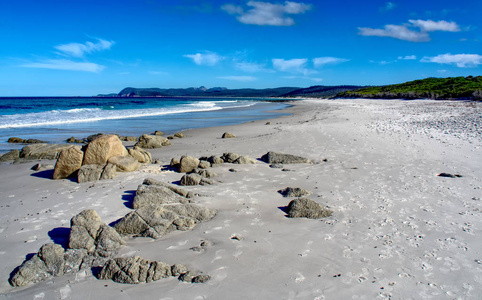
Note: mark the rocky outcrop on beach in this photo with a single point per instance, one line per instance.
(135, 270)
(147, 141)
(43, 151)
(16, 140)
(281, 158)
(307, 208)
(68, 163)
(101, 149)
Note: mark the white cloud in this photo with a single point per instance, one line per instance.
(251, 67)
(429, 25)
(65, 64)
(400, 32)
(265, 13)
(460, 60)
(79, 50)
(405, 32)
(296, 65)
(315, 79)
(321, 61)
(407, 57)
(205, 59)
(239, 78)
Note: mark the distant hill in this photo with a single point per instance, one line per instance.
(433, 88)
(281, 92)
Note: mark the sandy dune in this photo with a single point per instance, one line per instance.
(398, 230)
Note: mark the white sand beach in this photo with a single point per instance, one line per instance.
(398, 230)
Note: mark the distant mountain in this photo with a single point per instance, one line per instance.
(314, 91)
(434, 88)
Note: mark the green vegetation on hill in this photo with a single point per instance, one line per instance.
(434, 88)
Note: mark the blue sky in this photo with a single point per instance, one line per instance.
(83, 48)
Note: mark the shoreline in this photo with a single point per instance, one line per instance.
(398, 230)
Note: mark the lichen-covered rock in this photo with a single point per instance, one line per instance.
(53, 257)
(101, 149)
(306, 208)
(12, 155)
(242, 160)
(140, 155)
(147, 141)
(293, 192)
(228, 135)
(68, 163)
(156, 221)
(280, 158)
(124, 163)
(188, 164)
(31, 271)
(43, 151)
(89, 173)
(229, 157)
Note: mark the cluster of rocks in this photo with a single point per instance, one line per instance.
(17, 140)
(161, 208)
(35, 151)
(100, 159)
(303, 207)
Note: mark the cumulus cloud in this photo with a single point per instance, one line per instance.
(79, 50)
(460, 60)
(321, 61)
(205, 59)
(265, 13)
(239, 78)
(407, 57)
(65, 64)
(296, 65)
(406, 32)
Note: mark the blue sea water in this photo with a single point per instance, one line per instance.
(56, 119)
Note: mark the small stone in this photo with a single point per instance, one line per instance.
(228, 135)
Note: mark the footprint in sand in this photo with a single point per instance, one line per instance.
(299, 278)
(218, 255)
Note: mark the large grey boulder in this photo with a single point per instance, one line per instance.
(280, 158)
(124, 163)
(156, 221)
(306, 208)
(147, 141)
(175, 189)
(140, 155)
(89, 173)
(293, 192)
(43, 151)
(229, 157)
(157, 195)
(188, 164)
(191, 179)
(101, 149)
(68, 163)
(12, 155)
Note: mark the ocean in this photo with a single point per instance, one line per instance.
(56, 119)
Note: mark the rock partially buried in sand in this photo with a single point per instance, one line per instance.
(43, 151)
(293, 192)
(159, 194)
(12, 155)
(242, 160)
(229, 157)
(188, 164)
(147, 141)
(140, 155)
(306, 208)
(280, 158)
(68, 163)
(125, 163)
(228, 135)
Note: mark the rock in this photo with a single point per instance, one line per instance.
(73, 260)
(53, 257)
(178, 269)
(187, 277)
(90, 220)
(89, 173)
(207, 173)
(31, 271)
(280, 158)
(140, 154)
(293, 192)
(68, 163)
(109, 172)
(179, 135)
(156, 221)
(244, 160)
(135, 270)
(175, 189)
(229, 157)
(276, 166)
(215, 160)
(268, 123)
(449, 175)
(15, 140)
(92, 137)
(175, 162)
(101, 149)
(204, 164)
(39, 167)
(34, 141)
(201, 278)
(156, 195)
(131, 139)
(170, 137)
(157, 132)
(108, 240)
(43, 151)
(188, 164)
(191, 179)
(228, 135)
(124, 163)
(147, 141)
(12, 155)
(306, 208)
